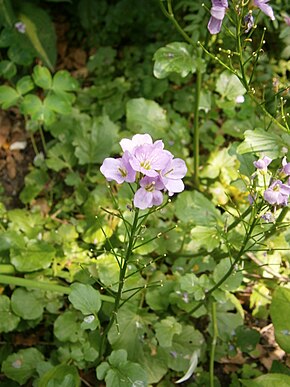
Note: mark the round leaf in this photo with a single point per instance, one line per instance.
(21, 366)
(26, 305)
(8, 320)
(173, 58)
(85, 298)
(42, 77)
(280, 312)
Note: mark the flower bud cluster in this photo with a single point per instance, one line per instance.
(278, 191)
(148, 164)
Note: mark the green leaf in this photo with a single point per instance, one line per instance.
(123, 372)
(37, 255)
(24, 85)
(233, 281)
(175, 57)
(58, 103)
(40, 31)
(195, 208)
(260, 141)
(8, 96)
(270, 380)
(247, 338)
(25, 304)
(207, 237)
(21, 366)
(166, 329)
(34, 184)
(280, 312)
(60, 156)
(229, 86)
(91, 144)
(9, 320)
(63, 81)
(7, 69)
(85, 298)
(146, 116)
(32, 105)
(62, 375)
(67, 328)
(42, 77)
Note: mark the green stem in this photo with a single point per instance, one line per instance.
(213, 343)
(7, 269)
(33, 284)
(43, 140)
(33, 142)
(122, 275)
(196, 127)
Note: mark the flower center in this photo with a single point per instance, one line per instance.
(150, 187)
(123, 172)
(146, 165)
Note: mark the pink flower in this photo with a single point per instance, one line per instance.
(119, 169)
(171, 176)
(263, 163)
(286, 167)
(149, 194)
(217, 12)
(264, 7)
(277, 194)
(137, 139)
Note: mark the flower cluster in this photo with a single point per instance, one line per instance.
(218, 11)
(278, 192)
(148, 164)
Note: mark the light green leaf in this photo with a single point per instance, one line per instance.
(34, 183)
(207, 237)
(40, 31)
(36, 255)
(58, 103)
(229, 86)
(25, 304)
(8, 96)
(166, 329)
(269, 380)
(8, 320)
(63, 81)
(280, 312)
(24, 85)
(42, 77)
(146, 116)
(260, 141)
(85, 298)
(175, 57)
(21, 366)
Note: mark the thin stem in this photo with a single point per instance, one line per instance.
(33, 142)
(43, 140)
(122, 276)
(196, 127)
(213, 343)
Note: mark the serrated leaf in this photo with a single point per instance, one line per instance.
(40, 30)
(229, 86)
(85, 298)
(175, 57)
(280, 312)
(8, 96)
(42, 77)
(21, 366)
